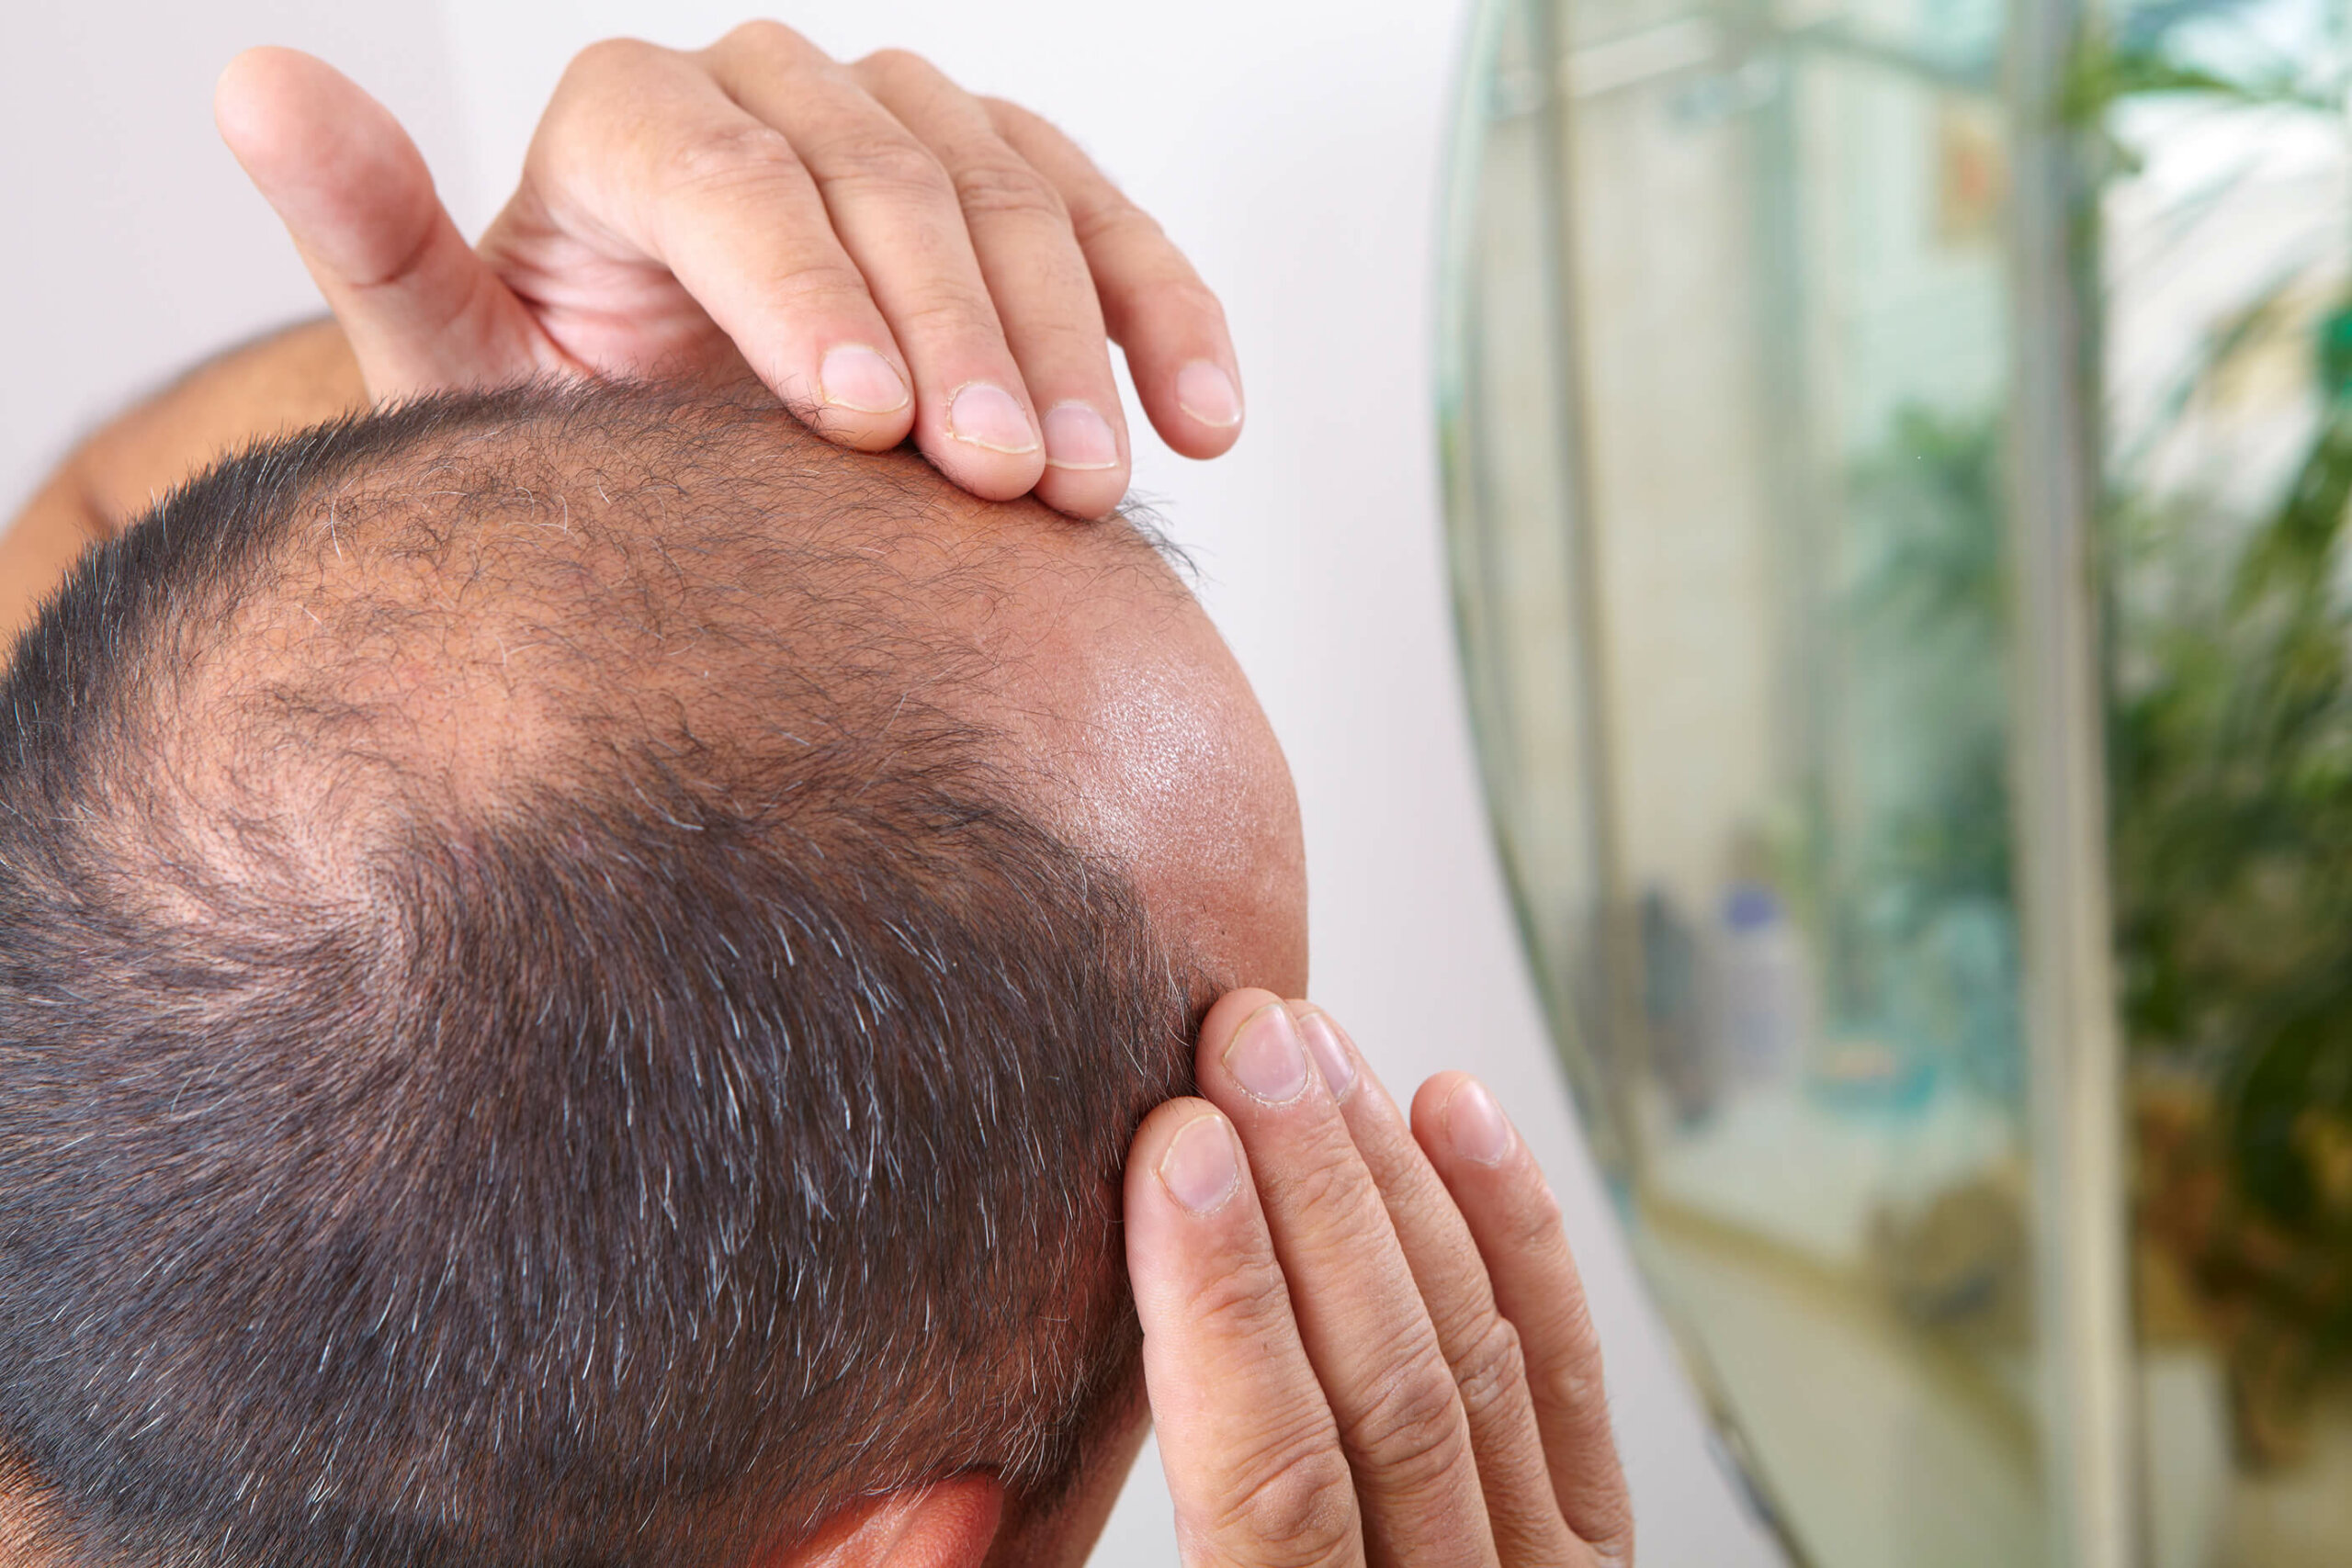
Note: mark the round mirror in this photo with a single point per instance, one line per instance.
(1897, 454)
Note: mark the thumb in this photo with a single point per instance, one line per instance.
(422, 311)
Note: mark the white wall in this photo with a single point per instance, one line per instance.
(138, 245)
(1292, 148)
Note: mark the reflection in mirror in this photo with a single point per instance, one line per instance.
(1732, 380)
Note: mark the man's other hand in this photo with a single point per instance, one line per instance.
(889, 254)
(1366, 1338)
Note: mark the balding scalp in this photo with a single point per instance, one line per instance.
(537, 1024)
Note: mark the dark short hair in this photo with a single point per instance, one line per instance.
(614, 1117)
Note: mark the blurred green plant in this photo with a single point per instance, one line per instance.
(2230, 756)
(2230, 746)
(1933, 585)
(2229, 716)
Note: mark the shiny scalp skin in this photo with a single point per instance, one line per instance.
(521, 689)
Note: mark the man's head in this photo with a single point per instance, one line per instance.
(575, 970)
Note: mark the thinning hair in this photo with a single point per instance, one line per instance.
(536, 1024)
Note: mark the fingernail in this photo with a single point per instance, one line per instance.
(856, 377)
(1199, 1169)
(1265, 1057)
(1078, 437)
(1207, 393)
(1330, 1052)
(1476, 1125)
(988, 416)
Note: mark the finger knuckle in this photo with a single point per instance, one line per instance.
(1239, 1300)
(1016, 122)
(1574, 1391)
(1004, 111)
(763, 37)
(1535, 1218)
(890, 168)
(1297, 1510)
(1193, 299)
(1493, 1369)
(1334, 1194)
(1175, 291)
(897, 67)
(1412, 1433)
(1574, 1369)
(1001, 187)
(1108, 218)
(609, 61)
(1071, 346)
(820, 286)
(1610, 1527)
(1601, 1507)
(950, 311)
(728, 157)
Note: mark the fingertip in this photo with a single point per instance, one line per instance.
(1335, 1054)
(238, 76)
(1210, 395)
(984, 439)
(1079, 440)
(241, 96)
(855, 429)
(1188, 437)
(349, 184)
(855, 379)
(1185, 1176)
(1227, 1015)
(256, 68)
(1200, 1166)
(1086, 460)
(988, 442)
(1429, 1100)
(1457, 1120)
(992, 476)
(842, 377)
(1198, 408)
(1162, 1123)
(1087, 497)
(260, 97)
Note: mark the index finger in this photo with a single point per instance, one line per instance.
(1250, 1447)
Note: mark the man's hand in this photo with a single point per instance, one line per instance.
(887, 253)
(1366, 1340)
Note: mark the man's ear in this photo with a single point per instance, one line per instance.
(947, 1524)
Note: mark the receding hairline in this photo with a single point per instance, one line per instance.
(649, 544)
(746, 414)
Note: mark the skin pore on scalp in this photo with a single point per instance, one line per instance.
(565, 868)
